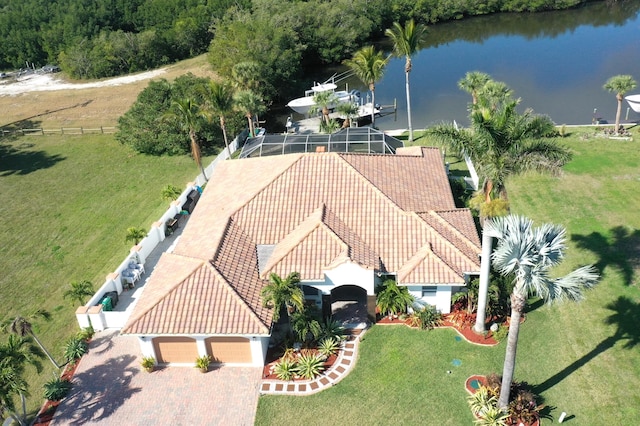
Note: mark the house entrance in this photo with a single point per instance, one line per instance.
(349, 305)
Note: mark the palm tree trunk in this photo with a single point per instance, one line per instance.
(46, 352)
(408, 106)
(373, 103)
(618, 112)
(485, 263)
(197, 155)
(517, 307)
(250, 126)
(224, 135)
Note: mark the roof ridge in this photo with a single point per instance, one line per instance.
(234, 293)
(418, 258)
(465, 240)
(375, 188)
(312, 225)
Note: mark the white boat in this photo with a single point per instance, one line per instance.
(304, 104)
(634, 102)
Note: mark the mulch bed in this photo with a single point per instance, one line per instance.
(466, 332)
(48, 409)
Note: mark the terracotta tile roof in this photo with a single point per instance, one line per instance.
(201, 302)
(313, 212)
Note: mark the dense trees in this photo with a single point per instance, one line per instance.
(99, 39)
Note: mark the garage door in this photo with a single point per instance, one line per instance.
(175, 349)
(229, 349)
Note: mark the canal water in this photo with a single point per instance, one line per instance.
(556, 62)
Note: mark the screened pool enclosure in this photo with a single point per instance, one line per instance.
(354, 139)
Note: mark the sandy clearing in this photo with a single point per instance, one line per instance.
(48, 82)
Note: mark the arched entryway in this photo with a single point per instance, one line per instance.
(349, 305)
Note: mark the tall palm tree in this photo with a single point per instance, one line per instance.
(322, 102)
(79, 291)
(407, 41)
(368, 64)
(282, 294)
(22, 327)
(527, 254)
(473, 82)
(620, 84)
(220, 101)
(188, 114)
(501, 143)
(249, 103)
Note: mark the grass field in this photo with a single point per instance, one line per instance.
(582, 358)
(67, 202)
(89, 108)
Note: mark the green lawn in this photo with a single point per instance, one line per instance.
(67, 202)
(582, 358)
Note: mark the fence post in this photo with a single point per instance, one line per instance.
(62, 130)
(42, 130)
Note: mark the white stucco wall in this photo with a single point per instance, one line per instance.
(441, 300)
(347, 273)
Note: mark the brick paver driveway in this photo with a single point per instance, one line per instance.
(110, 388)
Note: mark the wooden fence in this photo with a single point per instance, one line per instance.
(58, 131)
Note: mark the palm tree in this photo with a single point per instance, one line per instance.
(495, 94)
(368, 64)
(473, 82)
(135, 234)
(349, 110)
(322, 101)
(12, 384)
(393, 299)
(220, 101)
(620, 84)
(282, 294)
(79, 291)
(22, 327)
(249, 103)
(527, 254)
(407, 41)
(188, 113)
(501, 143)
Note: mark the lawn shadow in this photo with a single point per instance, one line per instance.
(97, 393)
(18, 158)
(621, 250)
(626, 317)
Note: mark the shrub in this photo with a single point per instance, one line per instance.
(331, 329)
(171, 192)
(75, 348)
(86, 333)
(148, 363)
(285, 369)
(426, 318)
(328, 346)
(502, 333)
(309, 366)
(56, 389)
(481, 401)
(202, 362)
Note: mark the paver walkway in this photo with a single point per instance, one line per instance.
(111, 388)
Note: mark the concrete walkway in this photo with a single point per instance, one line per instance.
(111, 388)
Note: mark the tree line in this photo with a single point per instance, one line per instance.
(100, 39)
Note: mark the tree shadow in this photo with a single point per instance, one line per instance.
(98, 392)
(626, 317)
(620, 251)
(27, 123)
(18, 158)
